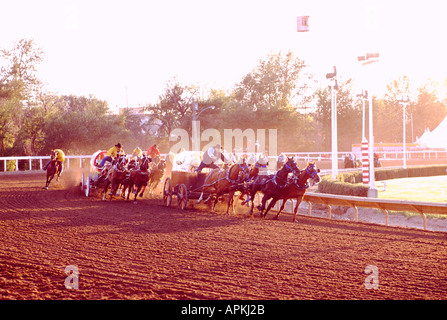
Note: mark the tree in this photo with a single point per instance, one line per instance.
(349, 115)
(388, 117)
(262, 100)
(21, 66)
(18, 89)
(81, 125)
(428, 111)
(271, 84)
(173, 109)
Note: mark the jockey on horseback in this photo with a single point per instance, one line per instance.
(153, 154)
(59, 155)
(111, 154)
(137, 153)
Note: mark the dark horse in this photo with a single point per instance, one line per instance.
(53, 169)
(270, 185)
(138, 179)
(115, 176)
(219, 181)
(295, 189)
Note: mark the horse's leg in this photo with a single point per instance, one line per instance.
(262, 206)
(298, 201)
(129, 189)
(280, 210)
(46, 183)
(200, 198)
(49, 181)
(271, 204)
(105, 190)
(123, 192)
(136, 194)
(215, 201)
(112, 189)
(154, 186)
(142, 191)
(230, 202)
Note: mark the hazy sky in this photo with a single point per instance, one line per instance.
(102, 47)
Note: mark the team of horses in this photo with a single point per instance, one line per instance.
(134, 176)
(289, 182)
(129, 177)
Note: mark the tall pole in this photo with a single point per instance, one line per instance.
(363, 118)
(372, 191)
(334, 133)
(195, 126)
(404, 102)
(334, 87)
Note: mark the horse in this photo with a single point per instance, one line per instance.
(271, 185)
(220, 181)
(53, 169)
(156, 175)
(296, 188)
(115, 176)
(138, 179)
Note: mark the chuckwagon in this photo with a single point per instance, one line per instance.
(185, 183)
(89, 183)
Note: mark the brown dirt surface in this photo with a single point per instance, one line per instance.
(148, 251)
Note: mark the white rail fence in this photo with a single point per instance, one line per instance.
(37, 162)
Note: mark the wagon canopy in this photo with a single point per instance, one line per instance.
(96, 159)
(185, 160)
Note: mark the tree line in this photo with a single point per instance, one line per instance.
(276, 94)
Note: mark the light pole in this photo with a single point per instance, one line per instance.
(334, 85)
(404, 102)
(372, 192)
(195, 124)
(363, 96)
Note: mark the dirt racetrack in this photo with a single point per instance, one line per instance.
(147, 251)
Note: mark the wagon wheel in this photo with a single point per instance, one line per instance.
(182, 197)
(167, 192)
(87, 186)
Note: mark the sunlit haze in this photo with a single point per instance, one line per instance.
(119, 49)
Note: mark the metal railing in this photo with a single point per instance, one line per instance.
(37, 162)
(29, 163)
(385, 205)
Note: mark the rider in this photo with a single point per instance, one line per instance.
(262, 164)
(153, 153)
(281, 160)
(112, 153)
(60, 158)
(212, 155)
(137, 153)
